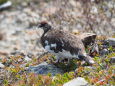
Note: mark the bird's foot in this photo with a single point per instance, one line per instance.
(57, 60)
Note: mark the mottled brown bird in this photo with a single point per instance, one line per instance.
(63, 44)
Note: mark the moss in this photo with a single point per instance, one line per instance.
(2, 1)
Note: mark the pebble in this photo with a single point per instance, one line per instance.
(94, 10)
(104, 52)
(112, 60)
(1, 65)
(111, 41)
(79, 81)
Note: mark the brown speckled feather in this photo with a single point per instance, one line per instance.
(63, 44)
(64, 40)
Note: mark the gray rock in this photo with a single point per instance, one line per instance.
(1, 65)
(111, 41)
(45, 68)
(5, 5)
(104, 52)
(112, 60)
(79, 81)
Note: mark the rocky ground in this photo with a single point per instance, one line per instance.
(20, 38)
(19, 23)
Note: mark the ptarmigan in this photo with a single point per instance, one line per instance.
(62, 44)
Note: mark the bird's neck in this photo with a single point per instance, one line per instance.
(47, 28)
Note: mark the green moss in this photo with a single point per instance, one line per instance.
(72, 65)
(2, 1)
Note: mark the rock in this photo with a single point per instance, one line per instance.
(111, 41)
(87, 38)
(3, 52)
(112, 60)
(5, 5)
(94, 10)
(50, 10)
(73, 3)
(104, 52)
(113, 22)
(1, 65)
(30, 55)
(79, 81)
(45, 68)
(17, 53)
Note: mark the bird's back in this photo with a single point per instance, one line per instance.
(64, 41)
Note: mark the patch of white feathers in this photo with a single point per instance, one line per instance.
(63, 54)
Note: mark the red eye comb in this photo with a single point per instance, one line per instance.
(43, 22)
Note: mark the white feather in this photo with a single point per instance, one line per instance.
(66, 54)
(53, 45)
(46, 42)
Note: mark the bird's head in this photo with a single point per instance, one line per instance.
(45, 26)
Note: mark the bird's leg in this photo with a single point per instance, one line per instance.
(60, 60)
(57, 59)
(68, 61)
(88, 59)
